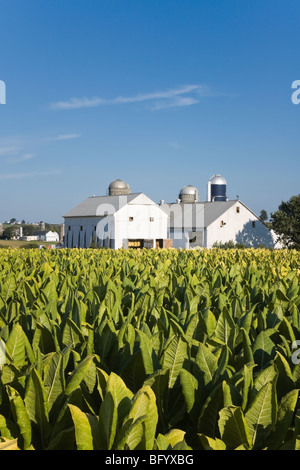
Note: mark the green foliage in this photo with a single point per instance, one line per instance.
(228, 245)
(149, 349)
(286, 222)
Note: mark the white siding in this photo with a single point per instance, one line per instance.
(73, 232)
(140, 227)
(237, 226)
(149, 222)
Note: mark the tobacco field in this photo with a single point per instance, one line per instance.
(149, 349)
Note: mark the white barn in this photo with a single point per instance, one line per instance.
(202, 224)
(118, 220)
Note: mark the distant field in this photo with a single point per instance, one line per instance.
(22, 244)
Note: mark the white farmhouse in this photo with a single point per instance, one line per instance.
(202, 224)
(120, 219)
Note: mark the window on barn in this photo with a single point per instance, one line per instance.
(130, 219)
(238, 209)
(253, 223)
(151, 219)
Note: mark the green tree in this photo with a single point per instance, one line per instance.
(286, 222)
(10, 231)
(52, 227)
(28, 229)
(263, 215)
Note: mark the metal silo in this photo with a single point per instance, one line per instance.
(216, 189)
(189, 194)
(118, 187)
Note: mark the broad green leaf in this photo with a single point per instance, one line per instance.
(36, 403)
(54, 379)
(207, 363)
(207, 422)
(147, 351)
(8, 286)
(79, 374)
(189, 386)
(226, 329)
(139, 427)
(233, 428)
(247, 349)
(285, 417)
(269, 374)
(175, 437)
(21, 417)
(173, 358)
(209, 321)
(263, 349)
(72, 334)
(120, 393)
(285, 381)
(108, 420)
(262, 414)
(131, 435)
(211, 444)
(222, 363)
(247, 383)
(15, 346)
(83, 432)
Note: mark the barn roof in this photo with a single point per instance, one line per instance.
(106, 205)
(199, 214)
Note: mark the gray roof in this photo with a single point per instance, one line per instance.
(213, 210)
(40, 232)
(199, 214)
(101, 205)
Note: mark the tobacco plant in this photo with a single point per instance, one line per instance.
(149, 349)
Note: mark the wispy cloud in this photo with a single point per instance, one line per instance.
(162, 99)
(64, 137)
(5, 151)
(175, 145)
(76, 103)
(35, 174)
(22, 158)
(179, 101)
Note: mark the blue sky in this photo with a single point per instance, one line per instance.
(159, 93)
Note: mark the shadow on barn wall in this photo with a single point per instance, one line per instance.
(255, 236)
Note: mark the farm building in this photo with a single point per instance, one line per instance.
(120, 219)
(45, 236)
(123, 219)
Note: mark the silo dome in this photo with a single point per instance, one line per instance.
(217, 179)
(216, 188)
(188, 194)
(118, 187)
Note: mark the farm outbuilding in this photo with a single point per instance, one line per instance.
(46, 236)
